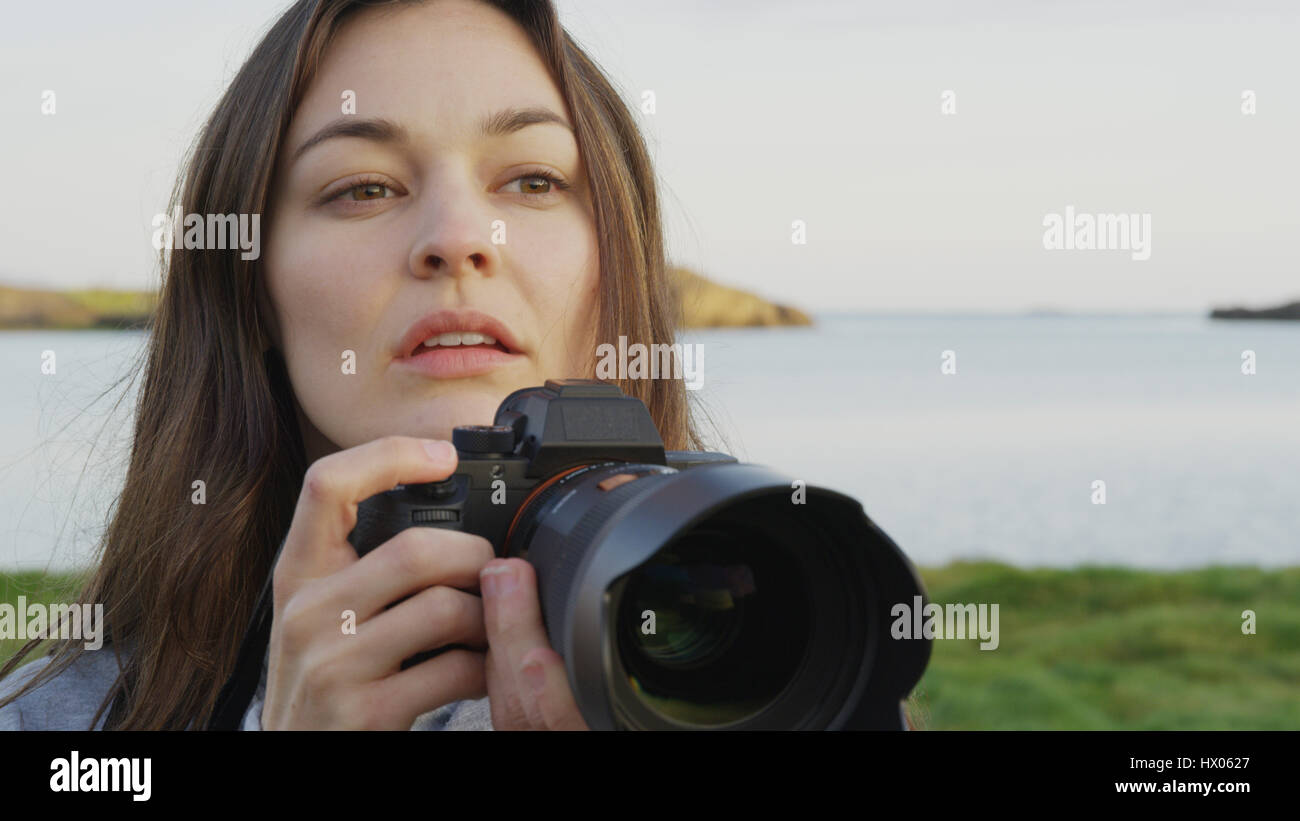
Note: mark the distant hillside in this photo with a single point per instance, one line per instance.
(31, 308)
(705, 305)
(1289, 311)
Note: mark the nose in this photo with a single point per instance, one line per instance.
(454, 237)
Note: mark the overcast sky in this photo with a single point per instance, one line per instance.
(826, 112)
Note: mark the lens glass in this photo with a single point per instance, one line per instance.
(715, 625)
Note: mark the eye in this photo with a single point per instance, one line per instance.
(539, 182)
(367, 191)
(361, 190)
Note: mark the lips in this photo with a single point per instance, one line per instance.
(452, 361)
(458, 320)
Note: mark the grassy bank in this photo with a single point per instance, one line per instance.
(1094, 648)
(26, 309)
(1104, 648)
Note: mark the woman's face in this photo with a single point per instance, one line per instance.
(407, 209)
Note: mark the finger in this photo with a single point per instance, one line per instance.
(415, 559)
(431, 619)
(513, 617)
(333, 486)
(503, 698)
(455, 675)
(547, 679)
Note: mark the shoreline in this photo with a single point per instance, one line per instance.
(705, 304)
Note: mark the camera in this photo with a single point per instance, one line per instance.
(684, 589)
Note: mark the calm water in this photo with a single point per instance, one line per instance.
(1201, 463)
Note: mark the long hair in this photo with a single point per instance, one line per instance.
(179, 580)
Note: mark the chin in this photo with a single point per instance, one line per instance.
(436, 416)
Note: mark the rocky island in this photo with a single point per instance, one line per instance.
(706, 304)
(1289, 311)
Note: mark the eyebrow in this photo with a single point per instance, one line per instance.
(378, 129)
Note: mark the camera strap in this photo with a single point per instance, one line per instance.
(239, 689)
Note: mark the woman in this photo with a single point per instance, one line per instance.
(439, 170)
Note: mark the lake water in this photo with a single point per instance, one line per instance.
(1201, 463)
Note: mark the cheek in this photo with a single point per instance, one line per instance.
(563, 285)
(328, 290)
(319, 311)
(562, 268)
(329, 297)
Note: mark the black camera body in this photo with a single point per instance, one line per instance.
(540, 433)
(684, 589)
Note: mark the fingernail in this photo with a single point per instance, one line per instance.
(535, 676)
(440, 451)
(497, 580)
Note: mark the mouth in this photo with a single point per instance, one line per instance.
(457, 328)
(456, 343)
(445, 358)
(463, 340)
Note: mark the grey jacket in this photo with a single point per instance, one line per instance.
(70, 699)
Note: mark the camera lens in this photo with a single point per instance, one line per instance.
(710, 599)
(714, 626)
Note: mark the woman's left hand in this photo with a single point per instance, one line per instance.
(528, 688)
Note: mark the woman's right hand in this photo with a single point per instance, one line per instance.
(322, 677)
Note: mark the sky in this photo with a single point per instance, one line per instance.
(767, 113)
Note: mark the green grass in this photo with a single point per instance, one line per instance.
(1110, 648)
(35, 586)
(1081, 649)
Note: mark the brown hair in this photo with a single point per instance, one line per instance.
(178, 580)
